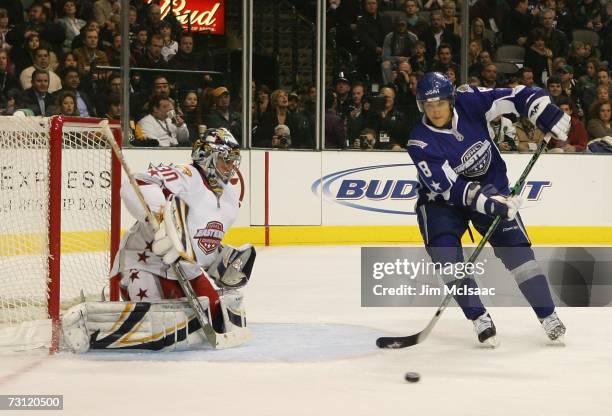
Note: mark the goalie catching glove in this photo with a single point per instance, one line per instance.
(172, 241)
(487, 200)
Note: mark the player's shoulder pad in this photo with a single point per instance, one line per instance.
(465, 88)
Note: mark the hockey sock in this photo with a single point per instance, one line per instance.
(537, 293)
(470, 304)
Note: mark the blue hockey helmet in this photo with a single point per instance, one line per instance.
(434, 86)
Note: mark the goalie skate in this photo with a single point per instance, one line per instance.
(554, 328)
(485, 329)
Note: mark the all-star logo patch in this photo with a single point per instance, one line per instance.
(476, 160)
(210, 237)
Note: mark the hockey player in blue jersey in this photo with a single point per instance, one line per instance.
(463, 178)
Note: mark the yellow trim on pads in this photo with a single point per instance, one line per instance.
(384, 234)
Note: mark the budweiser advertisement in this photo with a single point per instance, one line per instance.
(203, 15)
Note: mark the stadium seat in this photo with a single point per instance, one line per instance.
(510, 53)
(507, 68)
(587, 36)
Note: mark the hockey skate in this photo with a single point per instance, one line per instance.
(485, 329)
(554, 328)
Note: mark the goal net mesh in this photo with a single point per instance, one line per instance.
(24, 216)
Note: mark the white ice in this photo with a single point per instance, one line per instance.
(313, 353)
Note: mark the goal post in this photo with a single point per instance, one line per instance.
(59, 222)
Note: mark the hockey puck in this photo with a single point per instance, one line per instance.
(412, 377)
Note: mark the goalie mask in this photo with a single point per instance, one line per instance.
(217, 152)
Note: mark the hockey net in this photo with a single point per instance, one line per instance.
(59, 223)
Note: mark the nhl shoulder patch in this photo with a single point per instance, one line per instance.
(464, 88)
(419, 143)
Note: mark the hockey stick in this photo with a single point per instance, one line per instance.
(410, 340)
(217, 340)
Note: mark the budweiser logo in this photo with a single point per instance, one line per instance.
(201, 14)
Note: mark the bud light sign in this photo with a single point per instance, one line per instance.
(385, 188)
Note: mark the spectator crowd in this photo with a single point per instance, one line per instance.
(55, 57)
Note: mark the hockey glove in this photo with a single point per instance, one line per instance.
(550, 118)
(172, 240)
(486, 200)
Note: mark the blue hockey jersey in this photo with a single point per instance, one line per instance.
(447, 160)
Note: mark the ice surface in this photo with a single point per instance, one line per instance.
(313, 353)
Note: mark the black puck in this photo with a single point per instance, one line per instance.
(412, 377)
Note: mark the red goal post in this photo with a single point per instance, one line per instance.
(60, 220)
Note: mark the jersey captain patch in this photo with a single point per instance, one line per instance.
(476, 159)
(210, 237)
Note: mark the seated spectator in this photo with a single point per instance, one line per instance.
(279, 114)
(484, 58)
(14, 11)
(281, 139)
(7, 80)
(357, 116)
(526, 76)
(444, 60)
(192, 113)
(553, 85)
(51, 34)
(538, 57)
(481, 35)
(555, 39)
(186, 59)
(70, 22)
(222, 116)
(263, 101)
(152, 58)
(588, 14)
(492, 12)
(589, 95)
(22, 55)
(397, 47)
(159, 125)
(517, 24)
(589, 80)
(71, 82)
(154, 20)
(568, 85)
(68, 60)
(37, 98)
(342, 88)
(372, 28)
(432, 4)
(113, 52)
(65, 104)
(488, 76)
(528, 135)
(4, 28)
(578, 56)
(136, 138)
(89, 56)
(599, 125)
(436, 36)
(365, 141)
(105, 10)
(170, 47)
(41, 62)
(577, 138)
(503, 133)
(388, 123)
(416, 24)
(563, 18)
(342, 16)
(138, 46)
(451, 21)
(419, 61)
(335, 133)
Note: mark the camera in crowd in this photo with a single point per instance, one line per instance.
(282, 137)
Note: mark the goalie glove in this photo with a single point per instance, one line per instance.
(486, 200)
(233, 266)
(172, 241)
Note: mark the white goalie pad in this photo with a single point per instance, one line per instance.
(172, 240)
(169, 325)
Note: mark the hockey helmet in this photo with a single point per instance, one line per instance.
(434, 86)
(213, 145)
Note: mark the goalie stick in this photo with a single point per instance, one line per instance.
(217, 340)
(410, 340)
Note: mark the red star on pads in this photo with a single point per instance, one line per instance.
(134, 275)
(142, 257)
(149, 245)
(142, 293)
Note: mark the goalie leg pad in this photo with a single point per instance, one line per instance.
(141, 286)
(168, 325)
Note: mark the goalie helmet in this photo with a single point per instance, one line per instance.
(218, 153)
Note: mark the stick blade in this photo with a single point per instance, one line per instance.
(397, 342)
